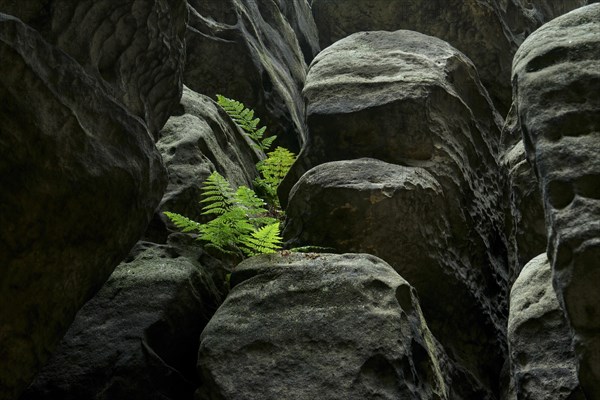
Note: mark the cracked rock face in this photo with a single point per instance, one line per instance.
(556, 75)
(488, 32)
(542, 358)
(136, 47)
(319, 326)
(247, 50)
(414, 102)
(78, 190)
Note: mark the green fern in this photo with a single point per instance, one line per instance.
(244, 118)
(272, 170)
(184, 223)
(264, 240)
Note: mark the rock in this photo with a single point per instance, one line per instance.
(556, 74)
(527, 230)
(319, 326)
(198, 141)
(138, 337)
(402, 215)
(247, 50)
(80, 177)
(136, 47)
(299, 15)
(540, 346)
(488, 32)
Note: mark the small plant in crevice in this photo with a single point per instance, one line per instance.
(244, 224)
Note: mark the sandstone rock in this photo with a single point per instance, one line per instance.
(527, 230)
(299, 15)
(402, 215)
(320, 327)
(489, 32)
(247, 50)
(541, 351)
(556, 74)
(138, 337)
(413, 100)
(201, 139)
(136, 47)
(80, 177)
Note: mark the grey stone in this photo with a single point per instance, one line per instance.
(556, 74)
(136, 47)
(78, 190)
(299, 15)
(489, 32)
(319, 326)
(138, 337)
(402, 214)
(542, 358)
(247, 50)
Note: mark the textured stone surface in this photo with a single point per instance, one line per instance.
(413, 100)
(556, 74)
(540, 346)
(138, 337)
(135, 46)
(489, 32)
(201, 139)
(78, 189)
(319, 327)
(247, 50)
(299, 15)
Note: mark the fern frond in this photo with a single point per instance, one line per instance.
(264, 240)
(244, 118)
(273, 169)
(183, 223)
(218, 194)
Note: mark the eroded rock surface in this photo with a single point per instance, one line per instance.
(247, 50)
(135, 46)
(78, 190)
(320, 327)
(138, 337)
(541, 351)
(488, 32)
(556, 75)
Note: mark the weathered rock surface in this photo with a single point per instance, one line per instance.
(320, 327)
(78, 190)
(138, 337)
(541, 351)
(136, 47)
(201, 139)
(527, 230)
(413, 100)
(247, 50)
(402, 215)
(299, 15)
(489, 32)
(556, 75)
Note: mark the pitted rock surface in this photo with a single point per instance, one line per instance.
(402, 215)
(78, 190)
(556, 74)
(488, 32)
(247, 50)
(541, 352)
(412, 100)
(135, 46)
(321, 327)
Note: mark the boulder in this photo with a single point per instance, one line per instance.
(402, 215)
(556, 74)
(247, 50)
(322, 326)
(541, 352)
(81, 178)
(487, 32)
(135, 47)
(138, 337)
